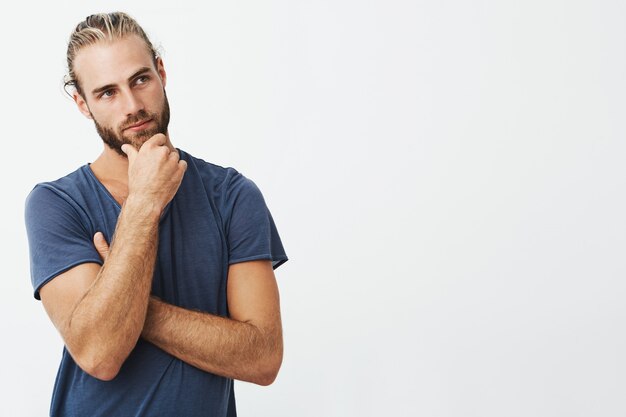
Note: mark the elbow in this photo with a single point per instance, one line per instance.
(96, 354)
(266, 378)
(268, 370)
(101, 365)
(103, 372)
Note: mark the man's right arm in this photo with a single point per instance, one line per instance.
(100, 311)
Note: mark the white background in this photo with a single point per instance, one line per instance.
(447, 178)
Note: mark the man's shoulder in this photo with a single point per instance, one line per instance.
(210, 172)
(226, 186)
(74, 178)
(203, 164)
(68, 187)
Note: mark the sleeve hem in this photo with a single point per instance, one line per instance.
(279, 262)
(276, 260)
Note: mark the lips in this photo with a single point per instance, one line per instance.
(138, 124)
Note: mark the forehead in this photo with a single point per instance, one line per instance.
(111, 62)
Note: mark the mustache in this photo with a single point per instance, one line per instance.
(141, 116)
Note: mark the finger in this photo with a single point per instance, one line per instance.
(101, 245)
(130, 151)
(174, 156)
(159, 139)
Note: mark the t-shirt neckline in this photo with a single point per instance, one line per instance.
(104, 189)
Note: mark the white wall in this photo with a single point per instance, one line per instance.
(447, 177)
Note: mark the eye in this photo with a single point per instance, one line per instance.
(107, 93)
(142, 80)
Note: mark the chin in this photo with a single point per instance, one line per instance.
(138, 140)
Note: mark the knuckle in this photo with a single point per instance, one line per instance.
(154, 140)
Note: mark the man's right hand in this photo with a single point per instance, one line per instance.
(154, 172)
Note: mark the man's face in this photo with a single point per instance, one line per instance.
(115, 138)
(122, 92)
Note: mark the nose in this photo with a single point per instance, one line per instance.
(132, 103)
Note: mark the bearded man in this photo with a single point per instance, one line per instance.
(184, 300)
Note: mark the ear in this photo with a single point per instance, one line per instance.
(161, 70)
(81, 104)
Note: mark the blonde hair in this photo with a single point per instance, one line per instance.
(101, 27)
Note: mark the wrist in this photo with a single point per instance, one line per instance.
(142, 206)
(152, 318)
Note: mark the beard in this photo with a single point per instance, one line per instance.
(115, 140)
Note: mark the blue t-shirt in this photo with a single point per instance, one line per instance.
(217, 217)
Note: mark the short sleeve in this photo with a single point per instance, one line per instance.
(58, 237)
(251, 232)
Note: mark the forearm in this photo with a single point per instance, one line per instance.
(106, 323)
(215, 344)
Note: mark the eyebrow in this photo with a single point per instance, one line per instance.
(108, 86)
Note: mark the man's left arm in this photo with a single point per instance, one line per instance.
(247, 346)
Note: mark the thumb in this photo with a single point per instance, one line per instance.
(101, 245)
